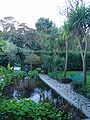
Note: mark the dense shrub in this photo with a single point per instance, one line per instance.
(88, 61)
(33, 74)
(4, 59)
(32, 59)
(56, 75)
(74, 61)
(49, 62)
(5, 81)
(9, 76)
(18, 75)
(27, 110)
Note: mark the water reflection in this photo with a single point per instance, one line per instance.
(36, 95)
(39, 93)
(16, 94)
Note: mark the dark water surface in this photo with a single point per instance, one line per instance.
(38, 92)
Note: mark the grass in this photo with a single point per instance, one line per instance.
(88, 77)
(85, 89)
(59, 75)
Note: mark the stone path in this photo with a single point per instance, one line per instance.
(67, 93)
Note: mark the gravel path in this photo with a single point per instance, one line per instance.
(67, 93)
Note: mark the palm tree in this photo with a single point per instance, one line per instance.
(79, 25)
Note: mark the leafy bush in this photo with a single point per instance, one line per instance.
(49, 62)
(4, 59)
(74, 61)
(32, 59)
(27, 110)
(56, 75)
(38, 69)
(5, 81)
(33, 74)
(2, 45)
(8, 67)
(8, 76)
(2, 84)
(18, 75)
(1, 71)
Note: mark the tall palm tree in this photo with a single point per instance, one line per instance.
(79, 25)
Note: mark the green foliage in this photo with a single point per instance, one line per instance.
(56, 75)
(18, 75)
(1, 71)
(75, 61)
(33, 74)
(49, 63)
(44, 25)
(78, 19)
(9, 76)
(2, 84)
(38, 69)
(85, 90)
(9, 71)
(7, 80)
(2, 45)
(4, 59)
(8, 67)
(77, 78)
(32, 59)
(25, 109)
(8, 53)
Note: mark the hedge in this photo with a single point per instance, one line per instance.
(74, 61)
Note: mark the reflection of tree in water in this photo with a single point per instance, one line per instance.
(27, 68)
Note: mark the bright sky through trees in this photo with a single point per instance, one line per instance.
(29, 11)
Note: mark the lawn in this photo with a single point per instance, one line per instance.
(59, 75)
(88, 77)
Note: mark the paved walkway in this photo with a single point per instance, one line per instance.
(67, 93)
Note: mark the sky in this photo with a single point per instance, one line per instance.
(29, 11)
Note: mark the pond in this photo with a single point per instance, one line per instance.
(37, 91)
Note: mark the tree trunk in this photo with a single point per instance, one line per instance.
(83, 56)
(54, 57)
(84, 71)
(66, 61)
(84, 64)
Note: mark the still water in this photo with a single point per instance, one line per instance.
(39, 92)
